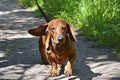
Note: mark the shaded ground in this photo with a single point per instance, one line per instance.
(20, 58)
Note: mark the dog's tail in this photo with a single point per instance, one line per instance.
(42, 12)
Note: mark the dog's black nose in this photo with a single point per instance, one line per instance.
(60, 38)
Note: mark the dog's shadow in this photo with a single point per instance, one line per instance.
(83, 71)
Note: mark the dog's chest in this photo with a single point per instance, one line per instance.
(60, 59)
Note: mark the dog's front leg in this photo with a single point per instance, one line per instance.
(55, 71)
(69, 65)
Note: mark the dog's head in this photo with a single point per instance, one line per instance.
(57, 29)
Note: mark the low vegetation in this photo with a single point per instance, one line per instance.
(99, 20)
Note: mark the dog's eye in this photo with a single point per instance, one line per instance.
(63, 28)
(53, 29)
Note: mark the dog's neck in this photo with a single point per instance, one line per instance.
(58, 48)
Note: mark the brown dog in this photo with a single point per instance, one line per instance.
(56, 44)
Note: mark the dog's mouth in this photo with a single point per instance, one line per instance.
(59, 42)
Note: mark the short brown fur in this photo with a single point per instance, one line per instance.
(56, 45)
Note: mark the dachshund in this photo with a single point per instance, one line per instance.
(56, 45)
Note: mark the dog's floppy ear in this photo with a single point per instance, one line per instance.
(39, 30)
(71, 35)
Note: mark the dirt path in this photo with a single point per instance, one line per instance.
(20, 59)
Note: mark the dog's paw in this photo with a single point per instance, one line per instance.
(68, 71)
(55, 72)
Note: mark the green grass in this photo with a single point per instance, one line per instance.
(7, 50)
(99, 20)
